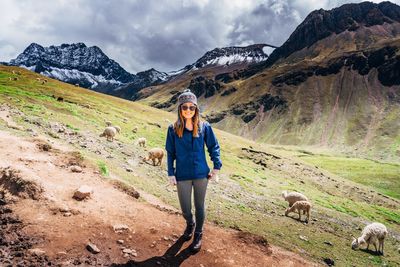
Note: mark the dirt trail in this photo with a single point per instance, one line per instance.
(58, 228)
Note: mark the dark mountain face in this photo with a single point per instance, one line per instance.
(143, 79)
(321, 23)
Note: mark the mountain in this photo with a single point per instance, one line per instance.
(142, 79)
(334, 83)
(218, 60)
(91, 68)
(231, 55)
(74, 63)
(363, 22)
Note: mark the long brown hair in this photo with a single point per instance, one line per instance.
(179, 125)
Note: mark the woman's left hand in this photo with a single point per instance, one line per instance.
(213, 175)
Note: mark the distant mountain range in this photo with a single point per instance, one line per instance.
(91, 68)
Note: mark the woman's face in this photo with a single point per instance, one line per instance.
(188, 110)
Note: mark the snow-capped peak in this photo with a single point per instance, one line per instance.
(231, 55)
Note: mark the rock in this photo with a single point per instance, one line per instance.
(83, 192)
(75, 212)
(175, 235)
(153, 230)
(128, 169)
(36, 251)
(92, 248)
(120, 227)
(127, 250)
(304, 238)
(328, 243)
(75, 168)
(67, 214)
(64, 208)
(166, 238)
(329, 262)
(120, 241)
(53, 134)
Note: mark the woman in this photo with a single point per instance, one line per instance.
(185, 145)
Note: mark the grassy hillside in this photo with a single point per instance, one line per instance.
(311, 100)
(346, 192)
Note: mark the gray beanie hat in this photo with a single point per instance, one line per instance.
(187, 96)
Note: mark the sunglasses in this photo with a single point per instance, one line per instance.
(192, 108)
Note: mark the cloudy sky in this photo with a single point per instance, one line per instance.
(141, 34)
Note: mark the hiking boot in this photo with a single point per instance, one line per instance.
(187, 235)
(196, 245)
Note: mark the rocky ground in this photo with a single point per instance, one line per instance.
(43, 224)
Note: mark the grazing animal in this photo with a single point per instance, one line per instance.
(155, 154)
(370, 234)
(302, 205)
(109, 133)
(142, 141)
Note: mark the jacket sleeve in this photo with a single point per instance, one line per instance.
(212, 146)
(170, 148)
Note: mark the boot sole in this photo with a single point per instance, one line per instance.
(195, 250)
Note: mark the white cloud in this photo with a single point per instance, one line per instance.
(140, 34)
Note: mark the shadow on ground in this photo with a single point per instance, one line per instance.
(169, 259)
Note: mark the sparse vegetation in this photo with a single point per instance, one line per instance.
(248, 196)
(103, 168)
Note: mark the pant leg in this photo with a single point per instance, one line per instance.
(200, 188)
(185, 199)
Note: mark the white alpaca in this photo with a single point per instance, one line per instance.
(370, 234)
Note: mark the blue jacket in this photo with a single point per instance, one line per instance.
(189, 153)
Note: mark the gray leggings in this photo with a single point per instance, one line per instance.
(185, 199)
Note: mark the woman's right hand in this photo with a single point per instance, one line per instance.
(172, 180)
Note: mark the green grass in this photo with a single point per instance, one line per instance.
(103, 168)
(385, 177)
